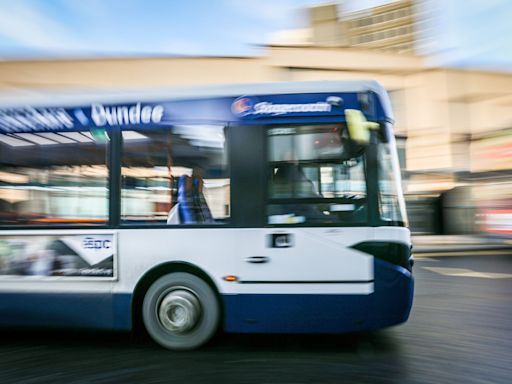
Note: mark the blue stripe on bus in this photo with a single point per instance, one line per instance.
(66, 310)
(389, 304)
(213, 109)
(122, 311)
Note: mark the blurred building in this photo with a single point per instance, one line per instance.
(446, 119)
(388, 28)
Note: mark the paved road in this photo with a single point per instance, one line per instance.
(459, 332)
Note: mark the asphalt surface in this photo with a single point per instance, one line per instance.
(460, 331)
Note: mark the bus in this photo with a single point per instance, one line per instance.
(259, 208)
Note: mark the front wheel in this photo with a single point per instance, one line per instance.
(180, 311)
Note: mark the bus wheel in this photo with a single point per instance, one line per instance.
(180, 311)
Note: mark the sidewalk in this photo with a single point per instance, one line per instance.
(457, 243)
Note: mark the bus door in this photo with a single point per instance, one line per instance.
(304, 260)
(314, 210)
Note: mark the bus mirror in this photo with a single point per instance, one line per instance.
(358, 127)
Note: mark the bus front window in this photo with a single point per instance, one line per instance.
(313, 179)
(391, 201)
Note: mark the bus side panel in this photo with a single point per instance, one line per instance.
(209, 249)
(389, 304)
(295, 313)
(56, 310)
(33, 293)
(122, 311)
(66, 310)
(142, 250)
(221, 252)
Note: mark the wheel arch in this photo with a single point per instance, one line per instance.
(158, 271)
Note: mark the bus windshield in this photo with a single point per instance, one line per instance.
(314, 176)
(391, 201)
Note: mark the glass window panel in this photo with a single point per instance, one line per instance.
(314, 176)
(391, 204)
(53, 182)
(176, 176)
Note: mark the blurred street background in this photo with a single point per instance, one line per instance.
(447, 66)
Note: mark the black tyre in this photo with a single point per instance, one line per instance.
(180, 311)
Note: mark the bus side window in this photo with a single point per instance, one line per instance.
(53, 178)
(175, 176)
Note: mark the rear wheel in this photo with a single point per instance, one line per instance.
(180, 311)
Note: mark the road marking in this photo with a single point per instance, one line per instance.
(463, 272)
(421, 255)
(426, 259)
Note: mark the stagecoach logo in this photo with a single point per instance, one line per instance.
(244, 106)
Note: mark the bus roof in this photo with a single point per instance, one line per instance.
(270, 103)
(68, 98)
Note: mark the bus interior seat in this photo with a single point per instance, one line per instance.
(200, 201)
(185, 200)
(191, 207)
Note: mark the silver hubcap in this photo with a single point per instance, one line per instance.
(179, 311)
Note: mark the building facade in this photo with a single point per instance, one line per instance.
(387, 28)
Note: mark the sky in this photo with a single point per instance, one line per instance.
(465, 33)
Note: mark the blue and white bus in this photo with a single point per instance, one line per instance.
(262, 208)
